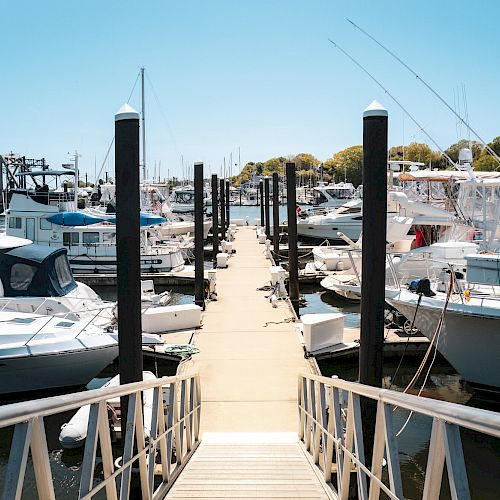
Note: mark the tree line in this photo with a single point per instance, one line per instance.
(346, 165)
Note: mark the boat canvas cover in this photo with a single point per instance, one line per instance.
(74, 219)
(83, 219)
(36, 271)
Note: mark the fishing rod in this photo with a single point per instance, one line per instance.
(418, 77)
(450, 161)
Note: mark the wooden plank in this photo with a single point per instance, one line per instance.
(262, 470)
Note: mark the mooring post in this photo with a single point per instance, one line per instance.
(375, 120)
(293, 263)
(215, 219)
(228, 199)
(222, 202)
(267, 201)
(276, 220)
(261, 193)
(128, 250)
(199, 289)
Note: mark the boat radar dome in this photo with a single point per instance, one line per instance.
(375, 109)
(126, 112)
(465, 156)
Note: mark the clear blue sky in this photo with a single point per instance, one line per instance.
(259, 75)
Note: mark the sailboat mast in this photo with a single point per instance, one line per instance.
(143, 117)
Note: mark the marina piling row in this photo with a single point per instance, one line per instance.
(215, 219)
(199, 288)
(276, 215)
(293, 260)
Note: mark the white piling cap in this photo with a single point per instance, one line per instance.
(126, 112)
(375, 109)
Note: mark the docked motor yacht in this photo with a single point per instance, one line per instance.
(45, 352)
(90, 240)
(468, 335)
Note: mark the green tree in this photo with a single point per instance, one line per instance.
(274, 165)
(346, 164)
(486, 162)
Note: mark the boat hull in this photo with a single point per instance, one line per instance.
(469, 342)
(54, 370)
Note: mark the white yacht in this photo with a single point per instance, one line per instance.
(90, 240)
(469, 337)
(332, 195)
(45, 352)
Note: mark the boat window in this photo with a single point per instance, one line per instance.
(320, 198)
(63, 271)
(109, 238)
(15, 223)
(21, 276)
(22, 321)
(90, 238)
(45, 224)
(71, 239)
(65, 324)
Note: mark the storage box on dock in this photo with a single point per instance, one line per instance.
(322, 330)
(171, 318)
(483, 268)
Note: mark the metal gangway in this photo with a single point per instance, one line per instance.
(325, 459)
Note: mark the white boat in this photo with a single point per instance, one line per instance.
(74, 432)
(346, 219)
(92, 245)
(46, 352)
(332, 195)
(470, 334)
(182, 199)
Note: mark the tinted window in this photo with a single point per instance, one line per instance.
(90, 238)
(45, 224)
(71, 239)
(63, 271)
(15, 222)
(21, 276)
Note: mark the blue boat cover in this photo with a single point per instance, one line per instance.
(74, 219)
(83, 219)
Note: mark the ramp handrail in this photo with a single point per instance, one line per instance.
(175, 424)
(331, 428)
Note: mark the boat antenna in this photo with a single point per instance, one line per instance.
(451, 162)
(143, 119)
(418, 77)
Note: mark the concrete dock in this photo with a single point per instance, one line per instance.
(250, 353)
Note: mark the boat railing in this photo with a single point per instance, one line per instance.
(331, 427)
(156, 460)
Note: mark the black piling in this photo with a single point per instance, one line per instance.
(261, 193)
(375, 122)
(199, 289)
(293, 261)
(215, 219)
(276, 215)
(128, 263)
(267, 201)
(222, 202)
(228, 199)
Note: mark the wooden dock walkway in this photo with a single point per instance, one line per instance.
(250, 465)
(250, 353)
(249, 361)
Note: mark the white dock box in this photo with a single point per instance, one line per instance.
(222, 259)
(483, 268)
(322, 330)
(171, 318)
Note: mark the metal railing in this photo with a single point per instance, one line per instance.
(331, 429)
(174, 427)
